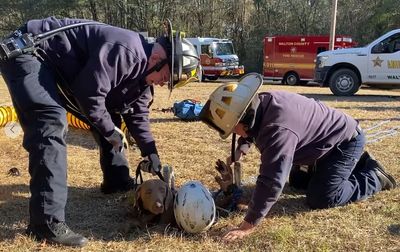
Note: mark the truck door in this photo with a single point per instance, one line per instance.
(269, 57)
(384, 61)
(206, 59)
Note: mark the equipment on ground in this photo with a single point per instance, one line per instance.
(187, 110)
(194, 207)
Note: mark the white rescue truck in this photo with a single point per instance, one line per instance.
(217, 58)
(377, 64)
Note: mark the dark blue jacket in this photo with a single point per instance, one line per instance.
(291, 129)
(94, 60)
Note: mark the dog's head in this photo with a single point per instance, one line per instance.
(154, 195)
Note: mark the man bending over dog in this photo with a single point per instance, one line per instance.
(99, 73)
(288, 129)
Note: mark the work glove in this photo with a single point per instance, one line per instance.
(240, 151)
(151, 164)
(225, 180)
(118, 140)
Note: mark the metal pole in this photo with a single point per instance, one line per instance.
(333, 25)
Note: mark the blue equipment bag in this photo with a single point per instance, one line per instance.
(187, 110)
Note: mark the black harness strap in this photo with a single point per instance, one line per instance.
(233, 148)
(139, 173)
(47, 35)
(64, 90)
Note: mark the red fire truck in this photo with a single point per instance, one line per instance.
(291, 59)
(217, 58)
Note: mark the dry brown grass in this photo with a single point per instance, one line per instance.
(192, 148)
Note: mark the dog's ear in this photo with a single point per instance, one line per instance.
(137, 196)
(169, 198)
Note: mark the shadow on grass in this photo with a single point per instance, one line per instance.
(88, 212)
(373, 109)
(165, 120)
(354, 98)
(379, 119)
(102, 217)
(81, 137)
(362, 98)
(291, 201)
(13, 210)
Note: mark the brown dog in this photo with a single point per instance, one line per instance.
(153, 204)
(154, 195)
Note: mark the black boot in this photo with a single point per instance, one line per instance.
(362, 162)
(56, 233)
(123, 186)
(387, 181)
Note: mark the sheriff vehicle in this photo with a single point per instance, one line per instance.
(217, 58)
(377, 64)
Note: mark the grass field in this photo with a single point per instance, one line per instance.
(192, 148)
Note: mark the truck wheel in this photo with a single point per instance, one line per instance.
(212, 77)
(344, 82)
(291, 79)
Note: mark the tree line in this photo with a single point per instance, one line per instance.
(246, 22)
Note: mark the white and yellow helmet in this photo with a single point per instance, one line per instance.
(194, 207)
(228, 103)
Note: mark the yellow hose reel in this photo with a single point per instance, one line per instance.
(8, 114)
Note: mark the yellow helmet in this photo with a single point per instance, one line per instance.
(228, 103)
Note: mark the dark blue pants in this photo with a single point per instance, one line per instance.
(336, 182)
(42, 116)
(114, 165)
